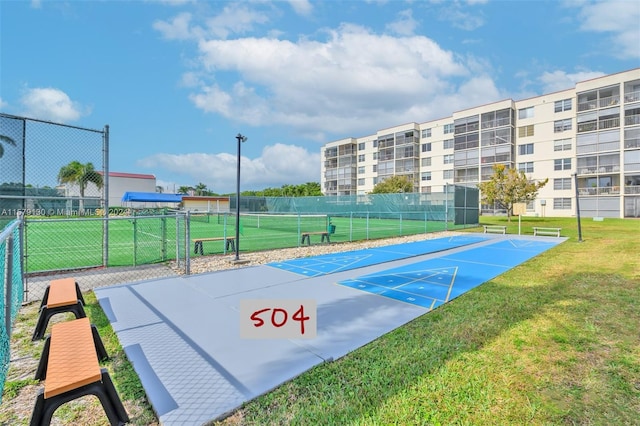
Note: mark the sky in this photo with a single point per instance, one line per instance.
(177, 80)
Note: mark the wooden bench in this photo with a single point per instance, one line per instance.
(553, 232)
(495, 229)
(60, 296)
(70, 369)
(306, 236)
(230, 244)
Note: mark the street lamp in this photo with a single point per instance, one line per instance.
(240, 139)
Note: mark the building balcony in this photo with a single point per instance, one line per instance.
(609, 101)
(603, 190)
(632, 96)
(631, 143)
(592, 170)
(632, 190)
(587, 105)
(631, 120)
(609, 123)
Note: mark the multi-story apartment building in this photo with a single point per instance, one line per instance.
(589, 134)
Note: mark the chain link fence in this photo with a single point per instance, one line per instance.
(57, 176)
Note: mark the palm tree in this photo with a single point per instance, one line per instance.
(8, 141)
(201, 189)
(184, 189)
(80, 174)
(159, 189)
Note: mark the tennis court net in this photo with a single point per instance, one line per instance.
(279, 222)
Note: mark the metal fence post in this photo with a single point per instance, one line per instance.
(187, 248)
(105, 196)
(446, 206)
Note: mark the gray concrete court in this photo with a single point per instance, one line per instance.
(182, 334)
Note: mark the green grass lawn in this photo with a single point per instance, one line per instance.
(553, 341)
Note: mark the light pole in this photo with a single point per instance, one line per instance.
(240, 139)
(575, 182)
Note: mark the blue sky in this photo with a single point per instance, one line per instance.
(177, 80)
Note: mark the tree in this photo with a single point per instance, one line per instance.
(507, 187)
(8, 141)
(201, 189)
(81, 175)
(184, 189)
(393, 184)
(159, 189)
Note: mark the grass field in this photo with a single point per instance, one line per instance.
(59, 244)
(553, 341)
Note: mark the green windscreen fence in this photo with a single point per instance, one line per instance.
(11, 291)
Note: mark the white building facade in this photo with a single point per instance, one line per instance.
(590, 133)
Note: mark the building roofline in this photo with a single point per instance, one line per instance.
(130, 175)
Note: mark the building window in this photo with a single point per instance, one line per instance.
(360, 158)
(525, 149)
(525, 131)
(375, 143)
(448, 128)
(561, 184)
(375, 181)
(447, 174)
(426, 162)
(425, 175)
(425, 190)
(361, 146)
(447, 159)
(562, 145)
(526, 167)
(426, 147)
(375, 155)
(361, 170)
(426, 133)
(361, 182)
(525, 113)
(562, 164)
(562, 125)
(563, 105)
(562, 203)
(447, 144)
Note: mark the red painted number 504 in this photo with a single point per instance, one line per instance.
(278, 319)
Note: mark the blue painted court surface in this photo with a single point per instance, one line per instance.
(331, 263)
(431, 283)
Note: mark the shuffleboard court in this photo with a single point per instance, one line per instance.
(183, 334)
(345, 261)
(432, 282)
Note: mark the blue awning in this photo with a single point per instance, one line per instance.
(152, 197)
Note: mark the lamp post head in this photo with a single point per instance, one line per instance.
(241, 138)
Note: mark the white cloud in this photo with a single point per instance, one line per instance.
(51, 104)
(556, 81)
(179, 28)
(620, 18)
(404, 24)
(235, 18)
(278, 163)
(461, 18)
(301, 7)
(339, 84)
(3, 104)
